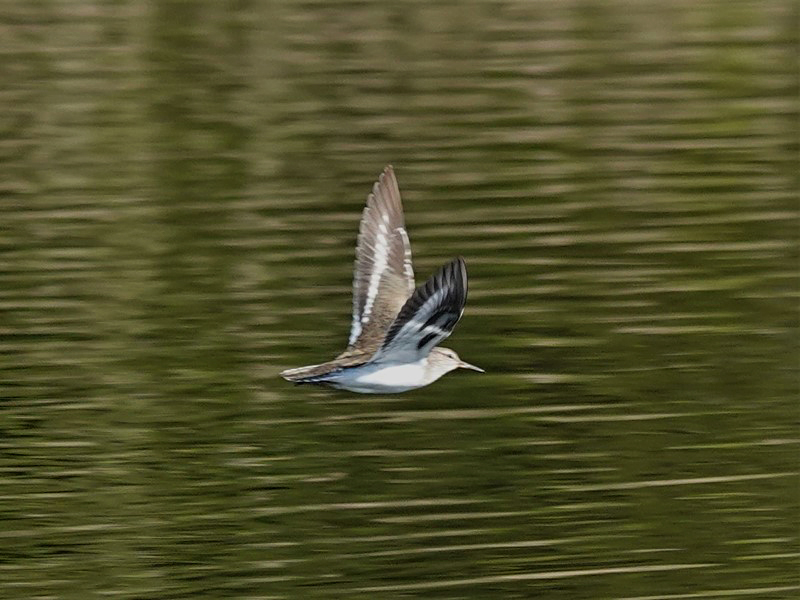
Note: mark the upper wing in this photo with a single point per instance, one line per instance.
(384, 276)
(429, 315)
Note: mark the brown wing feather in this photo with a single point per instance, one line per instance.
(384, 276)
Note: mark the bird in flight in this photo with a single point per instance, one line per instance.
(396, 329)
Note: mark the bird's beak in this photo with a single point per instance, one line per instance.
(466, 365)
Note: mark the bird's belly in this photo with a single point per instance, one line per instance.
(382, 379)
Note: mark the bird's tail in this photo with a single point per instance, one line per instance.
(310, 374)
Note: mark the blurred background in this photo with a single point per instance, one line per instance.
(180, 195)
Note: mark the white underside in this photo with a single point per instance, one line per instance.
(385, 378)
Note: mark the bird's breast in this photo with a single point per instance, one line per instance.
(383, 378)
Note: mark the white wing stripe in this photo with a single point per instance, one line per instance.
(381, 260)
(355, 329)
(408, 267)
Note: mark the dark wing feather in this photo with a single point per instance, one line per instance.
(428, 316)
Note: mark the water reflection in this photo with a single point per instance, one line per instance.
(183, 186)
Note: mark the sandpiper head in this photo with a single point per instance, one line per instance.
(446, 360)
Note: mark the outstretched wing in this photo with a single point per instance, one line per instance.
(384, 276)
(428, 316)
